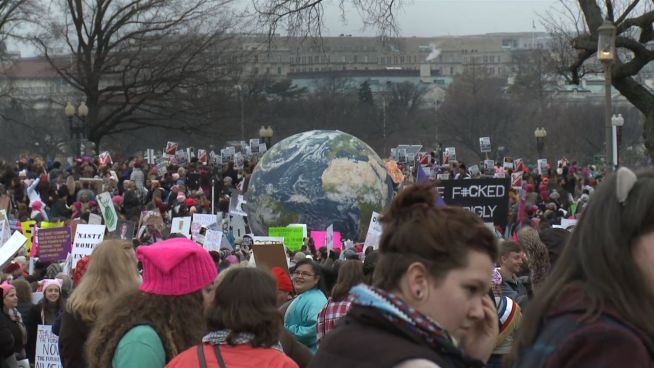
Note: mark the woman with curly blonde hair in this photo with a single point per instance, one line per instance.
(148, 327)
(111, 270)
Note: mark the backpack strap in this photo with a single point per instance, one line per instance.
(201, 358)
(219, 357)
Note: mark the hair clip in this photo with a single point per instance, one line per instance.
(625, 182)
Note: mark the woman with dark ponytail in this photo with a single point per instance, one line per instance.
(429, 303)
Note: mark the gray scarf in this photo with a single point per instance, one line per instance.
(220, 338)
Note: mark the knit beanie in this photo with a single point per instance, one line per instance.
(80, 269)
(52, 270)
(46, 283)
(177, 266)
(283, 280)
(6, 288)
(509, 315)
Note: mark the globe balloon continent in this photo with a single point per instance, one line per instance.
(318, 178)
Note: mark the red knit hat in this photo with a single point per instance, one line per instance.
(80, 269)
(177, 266)
(283, 281)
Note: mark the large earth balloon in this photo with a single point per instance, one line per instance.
(318, 178)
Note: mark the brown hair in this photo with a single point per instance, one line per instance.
(176, 319)
(246, 302)
(598, 258)
(23, 291)
(509, 246)
(415, 230)
(350, 274)
(112, 269)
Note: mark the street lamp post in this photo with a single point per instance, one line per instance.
(606, 55)
(540, 134)
(617, 121)
(266, 134)
(239, 89)
(76, 127)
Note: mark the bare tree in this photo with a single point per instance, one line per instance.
(304, 18)
(134, 60)
(634, 20)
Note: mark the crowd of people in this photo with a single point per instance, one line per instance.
(440, 290)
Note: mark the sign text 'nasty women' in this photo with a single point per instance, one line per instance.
(488, 198)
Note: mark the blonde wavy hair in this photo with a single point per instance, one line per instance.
(111, 271)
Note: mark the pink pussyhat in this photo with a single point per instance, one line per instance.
(6, 288)
(176, 266)
(46, 283)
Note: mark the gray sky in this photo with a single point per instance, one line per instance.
(450, 17)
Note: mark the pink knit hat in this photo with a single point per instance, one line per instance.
(46, 283)
(6, 288)
(176, 266)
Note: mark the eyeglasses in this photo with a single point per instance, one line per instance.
(303, 274)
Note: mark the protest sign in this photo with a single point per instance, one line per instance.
(485, 144)
(202, 156)
(236, 225)
(171, 148)
(212, 240)
(374, 232)
(236, 203)
(202, 220)
(329, 240)
(490, 167)
(269, 255)
(516, 180)
(181, 225)
(105, 159)
(320, 237)
(262, 148)
(508, 163)
(293, 236)
(542, 166)
(443, 176)
(305, 232)
(162, 168)
(95, 219)
(47, 348)
(87, 237)
(5, 231)
(27, 228)
(124, 230)
(411, 150)
(449, 155)
(12, 246)
(254, 146)
(402, 156)
(568, 224)
(488, 198)
(108, 210)
(54, 244)
(474, 170)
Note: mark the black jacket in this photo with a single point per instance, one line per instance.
(72, 336)
(7, 339)
(386, 344)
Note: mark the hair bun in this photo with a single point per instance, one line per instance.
(416, 196)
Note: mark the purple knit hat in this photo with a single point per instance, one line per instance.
(177, 266)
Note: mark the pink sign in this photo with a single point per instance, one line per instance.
(319, 239)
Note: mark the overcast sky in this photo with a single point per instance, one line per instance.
(450, 17)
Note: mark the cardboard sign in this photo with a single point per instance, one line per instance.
(236, 203)
(87, 237)
(374, 232)
(95, 219)
(516, 180)
(181, 225)
(27, 227)
(488, 198)
(11, 247)
(212, 240)
(329, 240)
(270, 255)
(54, 244)
(293, 236)
(47, 348)
(108, 210)
(124, 230)
(485, 144)
(320, 237)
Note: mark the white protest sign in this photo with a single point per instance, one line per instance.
(237, 225)
(202, 220)
(95, 219)
(374, 232)
(181, 225)
(329, 240)
(568, 223)
(68, 264)
(236, 203)
(213, 240)
(5, 231)
(485, 144)
(11, 247)
(108, 210)
(47, 348)
(87, 237)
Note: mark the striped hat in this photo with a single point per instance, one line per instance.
(509, 315)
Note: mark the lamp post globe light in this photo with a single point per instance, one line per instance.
(606, 55)
(76, 127)
(540, 134)
(617, 121)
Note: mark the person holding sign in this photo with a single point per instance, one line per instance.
(111, 271)
(44, 312)
(301, 316)
(15, 343)
(430, 304)
(146, 328)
